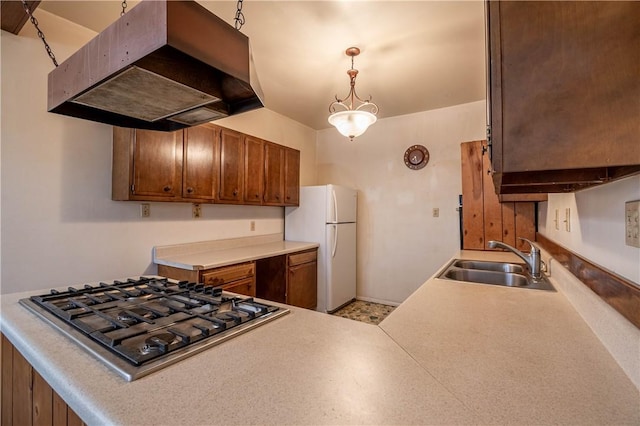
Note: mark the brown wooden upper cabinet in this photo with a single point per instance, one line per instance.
(200, 171)
(147, 165)
(253, 170)
(274, 174)
(203, 164)
(231, 166)
(564, 93)
(291, 177)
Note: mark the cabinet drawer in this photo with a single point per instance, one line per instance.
(304, 257)
(246, 287)
(228, 274)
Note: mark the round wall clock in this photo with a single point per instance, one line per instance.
(416, 157)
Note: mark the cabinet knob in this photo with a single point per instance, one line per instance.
(277, 197)
(190, 190)
(235, 192)
(257, 195)
(166, 188)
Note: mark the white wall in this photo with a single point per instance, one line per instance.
(59, 224)
(597, 225)
(400, 243)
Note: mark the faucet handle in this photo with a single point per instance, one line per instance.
(534, 248)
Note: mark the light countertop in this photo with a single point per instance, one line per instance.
(453, 353)
(213, 254)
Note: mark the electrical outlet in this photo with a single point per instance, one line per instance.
(436, 212)
(557, 220)
(145, 210)
(567, 219)
(252, 225)
(632, 223)
(196, 211)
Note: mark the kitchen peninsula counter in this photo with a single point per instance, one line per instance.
(452, 353)
(213, 254)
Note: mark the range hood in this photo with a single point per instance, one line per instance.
(164, 65)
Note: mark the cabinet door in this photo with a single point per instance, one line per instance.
(157, 165)
(302, 285)
(201, 164)
(253, 170)
(274, 174)
(564, 92)
(291, 177)
(231, 166)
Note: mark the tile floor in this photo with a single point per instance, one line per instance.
(369, 312)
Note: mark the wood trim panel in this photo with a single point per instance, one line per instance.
(620, 293)
(473, 195)
(27, 399)
(7, 382)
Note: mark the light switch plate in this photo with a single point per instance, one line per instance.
(632, 223)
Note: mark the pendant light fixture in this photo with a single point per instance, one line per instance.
(352, 115)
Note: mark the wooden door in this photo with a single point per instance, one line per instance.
(157, 165)
(274, 174)
(253, 170)
(291, 177)
(231, 167)
(484, 217)
(201, 163)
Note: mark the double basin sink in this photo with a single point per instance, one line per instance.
(495, 273)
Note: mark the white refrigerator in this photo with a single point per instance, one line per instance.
(327, 216)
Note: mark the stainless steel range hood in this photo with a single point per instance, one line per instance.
(164, 65)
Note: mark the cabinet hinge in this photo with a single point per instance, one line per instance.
(133, 189)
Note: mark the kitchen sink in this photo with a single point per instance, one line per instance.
(495, 273)
(490, 266)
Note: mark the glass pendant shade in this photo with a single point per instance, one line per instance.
(352, 123)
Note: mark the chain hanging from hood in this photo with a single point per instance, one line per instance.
(34, 21)
(239, 16)
(124, 6)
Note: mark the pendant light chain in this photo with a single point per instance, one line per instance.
(124, 6)
(239, 16)
(34, 21)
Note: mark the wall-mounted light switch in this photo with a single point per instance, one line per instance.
(567, 219)
(557, 220)
(632, 223)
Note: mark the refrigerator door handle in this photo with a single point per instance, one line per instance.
(335, 205)
(335, 240)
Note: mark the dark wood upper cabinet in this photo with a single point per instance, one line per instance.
(253, 170)
(147, 165)
(231, 166)
(200, 168)
(274, 174)
(203, 164)
(291, 177)
(564, 93)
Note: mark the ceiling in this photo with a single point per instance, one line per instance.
(415, 55)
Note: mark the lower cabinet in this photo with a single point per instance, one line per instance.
(238, 278)
(302, 279)
(27, 399)
(290, 278)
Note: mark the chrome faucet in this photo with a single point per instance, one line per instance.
(533, 259)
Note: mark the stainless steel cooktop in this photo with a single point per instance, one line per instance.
(141, 325)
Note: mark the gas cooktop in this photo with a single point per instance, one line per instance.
(139, 326)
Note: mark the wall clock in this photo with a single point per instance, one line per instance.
(416, 157)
